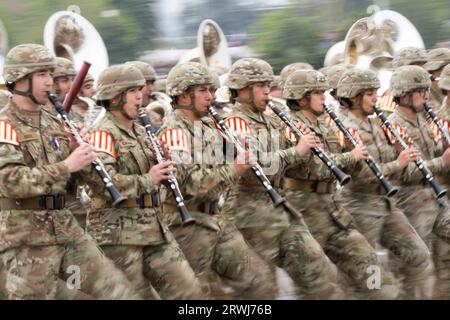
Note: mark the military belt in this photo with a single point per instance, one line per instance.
(257, 183)
(144, 201)
(312, 186)
(205, 207)
(34, 203)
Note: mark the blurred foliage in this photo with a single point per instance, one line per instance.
(303, 31)
(306, 30)
(124, 35)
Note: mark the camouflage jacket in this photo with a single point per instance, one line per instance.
(381, 151)
(127, 156)
(268, 142)
(315, 169)
(197, 150)
(423, 139)
(33, 146)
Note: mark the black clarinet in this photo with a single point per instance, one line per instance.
(340, 175)
(428, 175)
(186, 217)
(116, 196)
(276, 198)
(388, 187)
(436, 119)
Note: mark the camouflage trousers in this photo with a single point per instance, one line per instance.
(45, 272)
(222, 258)
(332, 226)
(382, 223)
(431, 219)
(289, 245)
(162, 266)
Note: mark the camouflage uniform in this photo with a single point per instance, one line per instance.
(39, 238)
(406, 56)
(134, 235)
(65, 68)
(377, 217)
(416, 198)
(436, 60)
(213, 245)
(312, 187)
(4, 98)
(288, 244)
(444, 84)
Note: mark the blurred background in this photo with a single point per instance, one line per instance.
(280, 31)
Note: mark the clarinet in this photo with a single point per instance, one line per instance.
(257, 170)
(437, 188)
(338, 173)
(117, 197)
(186, 217)
(388, 187)
(436, 119)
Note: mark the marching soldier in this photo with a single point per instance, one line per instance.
(150, 78)
(444, 85)
(405, 57)
(88, 89)
(213, 245)
(410, 86)
(40, 240)
(437, 59)
(312, 187)
(134, 235)
(63, 77)
(288, 244)
(376, 216)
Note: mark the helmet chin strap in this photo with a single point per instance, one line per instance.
(119, 106)
(361, 106)
(250, 101)
(191, 106)
(409, 104)
(29, 92)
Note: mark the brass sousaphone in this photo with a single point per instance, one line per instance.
(69, 35)
(212, 48)
(372, 42)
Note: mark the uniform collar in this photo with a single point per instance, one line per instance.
(361, 123)
(258, 117)
(117, 123)
(30, 118)
(406, 117)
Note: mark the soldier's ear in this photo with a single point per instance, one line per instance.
(303, 102)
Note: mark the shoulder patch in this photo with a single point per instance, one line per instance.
(8, 134)
(402, 133)
(340, 138)
(103, 142)
(329, 121)
(238, 125)
(175, 139)
(436, 133)
(387, 103)
(290, 135)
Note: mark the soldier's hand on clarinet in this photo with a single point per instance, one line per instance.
(162, 171)
(360, 152)
(73, 144)
(81, 157)
(306, 143)
(243, 162)
(407, 156)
